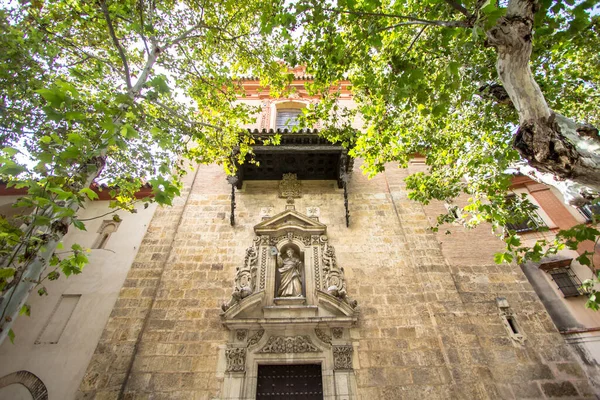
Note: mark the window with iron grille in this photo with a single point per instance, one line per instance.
(566, 280)
(589, 210)
(533, 221)
(287, 118)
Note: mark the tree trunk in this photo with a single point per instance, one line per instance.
(551, 143)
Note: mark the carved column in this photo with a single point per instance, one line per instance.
(236, 371)
(343, 372)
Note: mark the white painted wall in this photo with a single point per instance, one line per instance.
(61, 366)
(15, 391)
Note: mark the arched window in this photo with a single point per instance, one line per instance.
(287, 118)
(34, 385)
(107, 228)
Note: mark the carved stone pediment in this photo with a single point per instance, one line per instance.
(290, 221)
(293, 344)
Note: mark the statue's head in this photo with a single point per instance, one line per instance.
(290, 252)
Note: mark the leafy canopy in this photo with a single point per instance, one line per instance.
(425, 82)
(126, 91)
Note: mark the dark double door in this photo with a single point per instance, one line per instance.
(294, 382)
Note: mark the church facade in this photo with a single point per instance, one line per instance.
(300, 278)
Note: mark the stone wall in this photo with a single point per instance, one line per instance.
(429, 326)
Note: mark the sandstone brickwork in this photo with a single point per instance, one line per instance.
(429, 325)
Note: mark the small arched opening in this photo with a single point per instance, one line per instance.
(22, 385)
(107, 229)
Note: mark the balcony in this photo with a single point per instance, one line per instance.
(304, 153)
(533, 223)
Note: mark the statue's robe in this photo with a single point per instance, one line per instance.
(290, 284)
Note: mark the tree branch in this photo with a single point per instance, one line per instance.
(115, 40)
(415, 40)
(198, 74)
(185, 35)
(175, 114)
(85, 53)
(99, 216)
(152, 57)
(141, 6)
(414, 20)
(448, 24)
(458, 7)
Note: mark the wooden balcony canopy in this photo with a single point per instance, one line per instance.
(305, 153)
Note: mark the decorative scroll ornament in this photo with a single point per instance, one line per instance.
(256, 337)
(290, 187)
(236, 359)
(342, 358)
(334, 282)
(325, 338)
(292, 344)
(245, 278)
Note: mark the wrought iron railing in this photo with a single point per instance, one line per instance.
(533, 223)
(566, 280)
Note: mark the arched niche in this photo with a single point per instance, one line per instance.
(298, 252)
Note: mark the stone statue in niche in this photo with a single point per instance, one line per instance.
(289, 267)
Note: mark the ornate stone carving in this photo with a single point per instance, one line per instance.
(289, 203)
(317, 269)
(236, 359)
(313, 212)
(342, 358)
(245, 278)
(256, 337)
(292, 344)
(289, 186)
(266, 212)
(241, 334)
(334, 282)
(263, 268)
(337, 332)
(323, 336)
(291, 236)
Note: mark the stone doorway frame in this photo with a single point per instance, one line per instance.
(339, 382)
